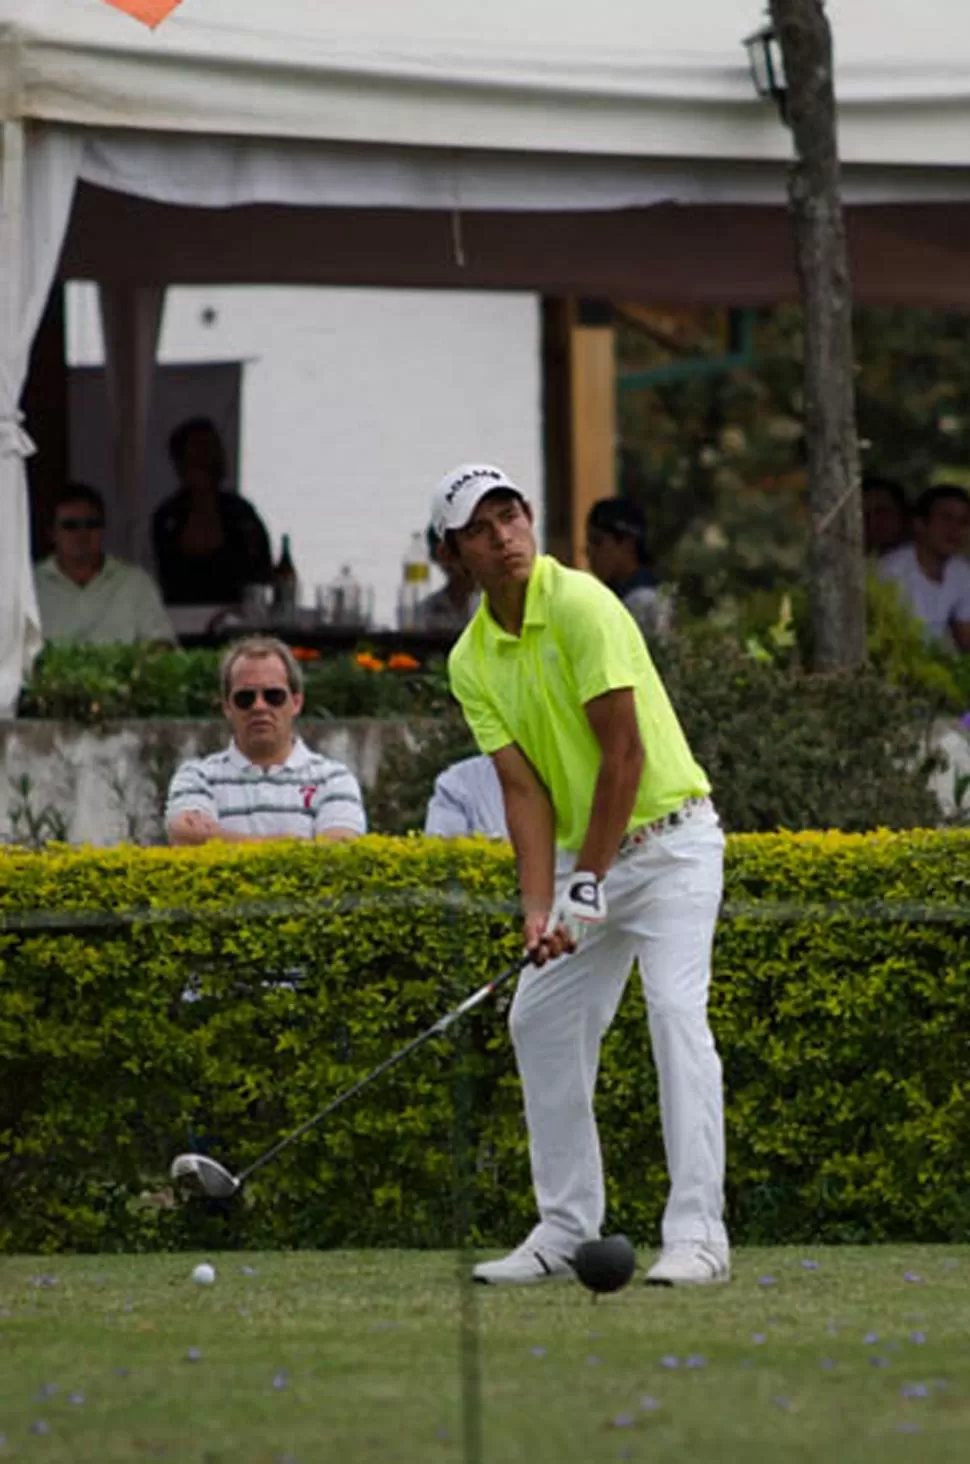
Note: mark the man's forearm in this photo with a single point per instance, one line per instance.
(532, 829)
(961, 634)
(613, 800)
(190, 830)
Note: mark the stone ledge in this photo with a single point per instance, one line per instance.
(106, 785)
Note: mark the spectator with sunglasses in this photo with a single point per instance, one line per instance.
(267, 784)
(86, 595)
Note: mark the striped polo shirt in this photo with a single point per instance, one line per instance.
(299, 799)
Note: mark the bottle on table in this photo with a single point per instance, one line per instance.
(285, 584)
(346, 600)
(414, 582)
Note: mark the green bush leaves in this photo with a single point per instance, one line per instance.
(153, 1000)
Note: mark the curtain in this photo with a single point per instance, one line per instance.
(38, 173)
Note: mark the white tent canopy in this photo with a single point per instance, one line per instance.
(617, 78)
(614, 149)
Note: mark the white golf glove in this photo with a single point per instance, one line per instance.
(581, 905)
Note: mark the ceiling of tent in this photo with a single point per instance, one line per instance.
(618, 77)
(562, 90)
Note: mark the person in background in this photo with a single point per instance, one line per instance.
(932, 575)
(616, 549)
(885, 515)
(451, 607)
(209, 543)
(88, 596)
(267, 784)
(467, 800)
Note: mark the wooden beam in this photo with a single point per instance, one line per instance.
(579, 374)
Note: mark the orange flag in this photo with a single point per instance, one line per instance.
(152, 12)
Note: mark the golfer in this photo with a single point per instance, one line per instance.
(620, 855)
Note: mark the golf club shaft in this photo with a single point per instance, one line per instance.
(440, 1026)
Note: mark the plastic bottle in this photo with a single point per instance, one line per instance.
(414, 582)
(346, 599)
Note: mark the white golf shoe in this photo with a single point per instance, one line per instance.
(690, 1263)
(526, 1266)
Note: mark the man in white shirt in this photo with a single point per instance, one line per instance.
(450, 608)
(467, 800)
(267, 784)
(85, 595)
(932, 575)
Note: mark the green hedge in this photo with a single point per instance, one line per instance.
(840, 1007)
(97, 684)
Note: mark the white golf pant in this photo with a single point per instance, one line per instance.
(663, 898)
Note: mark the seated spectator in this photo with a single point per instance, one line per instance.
(267, 784)
(451, 607)
(931, 573)
(616, 548)
(209, 543)
(86, 595)
(885, 515)
(467, 799)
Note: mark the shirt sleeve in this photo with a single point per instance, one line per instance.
(482, 715)
(190, 792)
(447, 817)
(643, 604)
(259, 559)
(961, 607)
(153, 623)
(603, 643)
(338, 804)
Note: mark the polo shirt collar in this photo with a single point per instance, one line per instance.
(536, 602)
(109, 568)
(297, 758)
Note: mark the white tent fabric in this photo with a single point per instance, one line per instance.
(616, 78)
(236, 172)
(35, 200)
(446, 107)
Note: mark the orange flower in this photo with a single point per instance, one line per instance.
(305, 653)
(367, 662)
(400, 661)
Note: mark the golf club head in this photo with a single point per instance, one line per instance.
(203, 1176)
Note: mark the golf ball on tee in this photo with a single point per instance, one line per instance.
(204, 1274)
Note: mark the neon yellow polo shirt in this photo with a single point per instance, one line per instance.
(577, 643)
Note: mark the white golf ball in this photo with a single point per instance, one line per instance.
(204, 1274)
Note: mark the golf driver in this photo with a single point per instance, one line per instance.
(204, 1176)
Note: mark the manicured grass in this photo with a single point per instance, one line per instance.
(862, 1357)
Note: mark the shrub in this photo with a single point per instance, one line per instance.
(783, 749)
(842, 974)
(788, 750)
(97, 684)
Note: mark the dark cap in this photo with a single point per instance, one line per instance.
(619, 516)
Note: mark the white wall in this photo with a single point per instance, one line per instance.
(355, 402)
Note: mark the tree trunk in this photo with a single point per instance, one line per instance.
(838, 564)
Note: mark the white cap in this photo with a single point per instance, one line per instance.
(461, 491)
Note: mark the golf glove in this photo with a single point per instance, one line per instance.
(581, 905)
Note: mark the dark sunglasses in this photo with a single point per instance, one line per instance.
(245, 698)
(80, 523)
